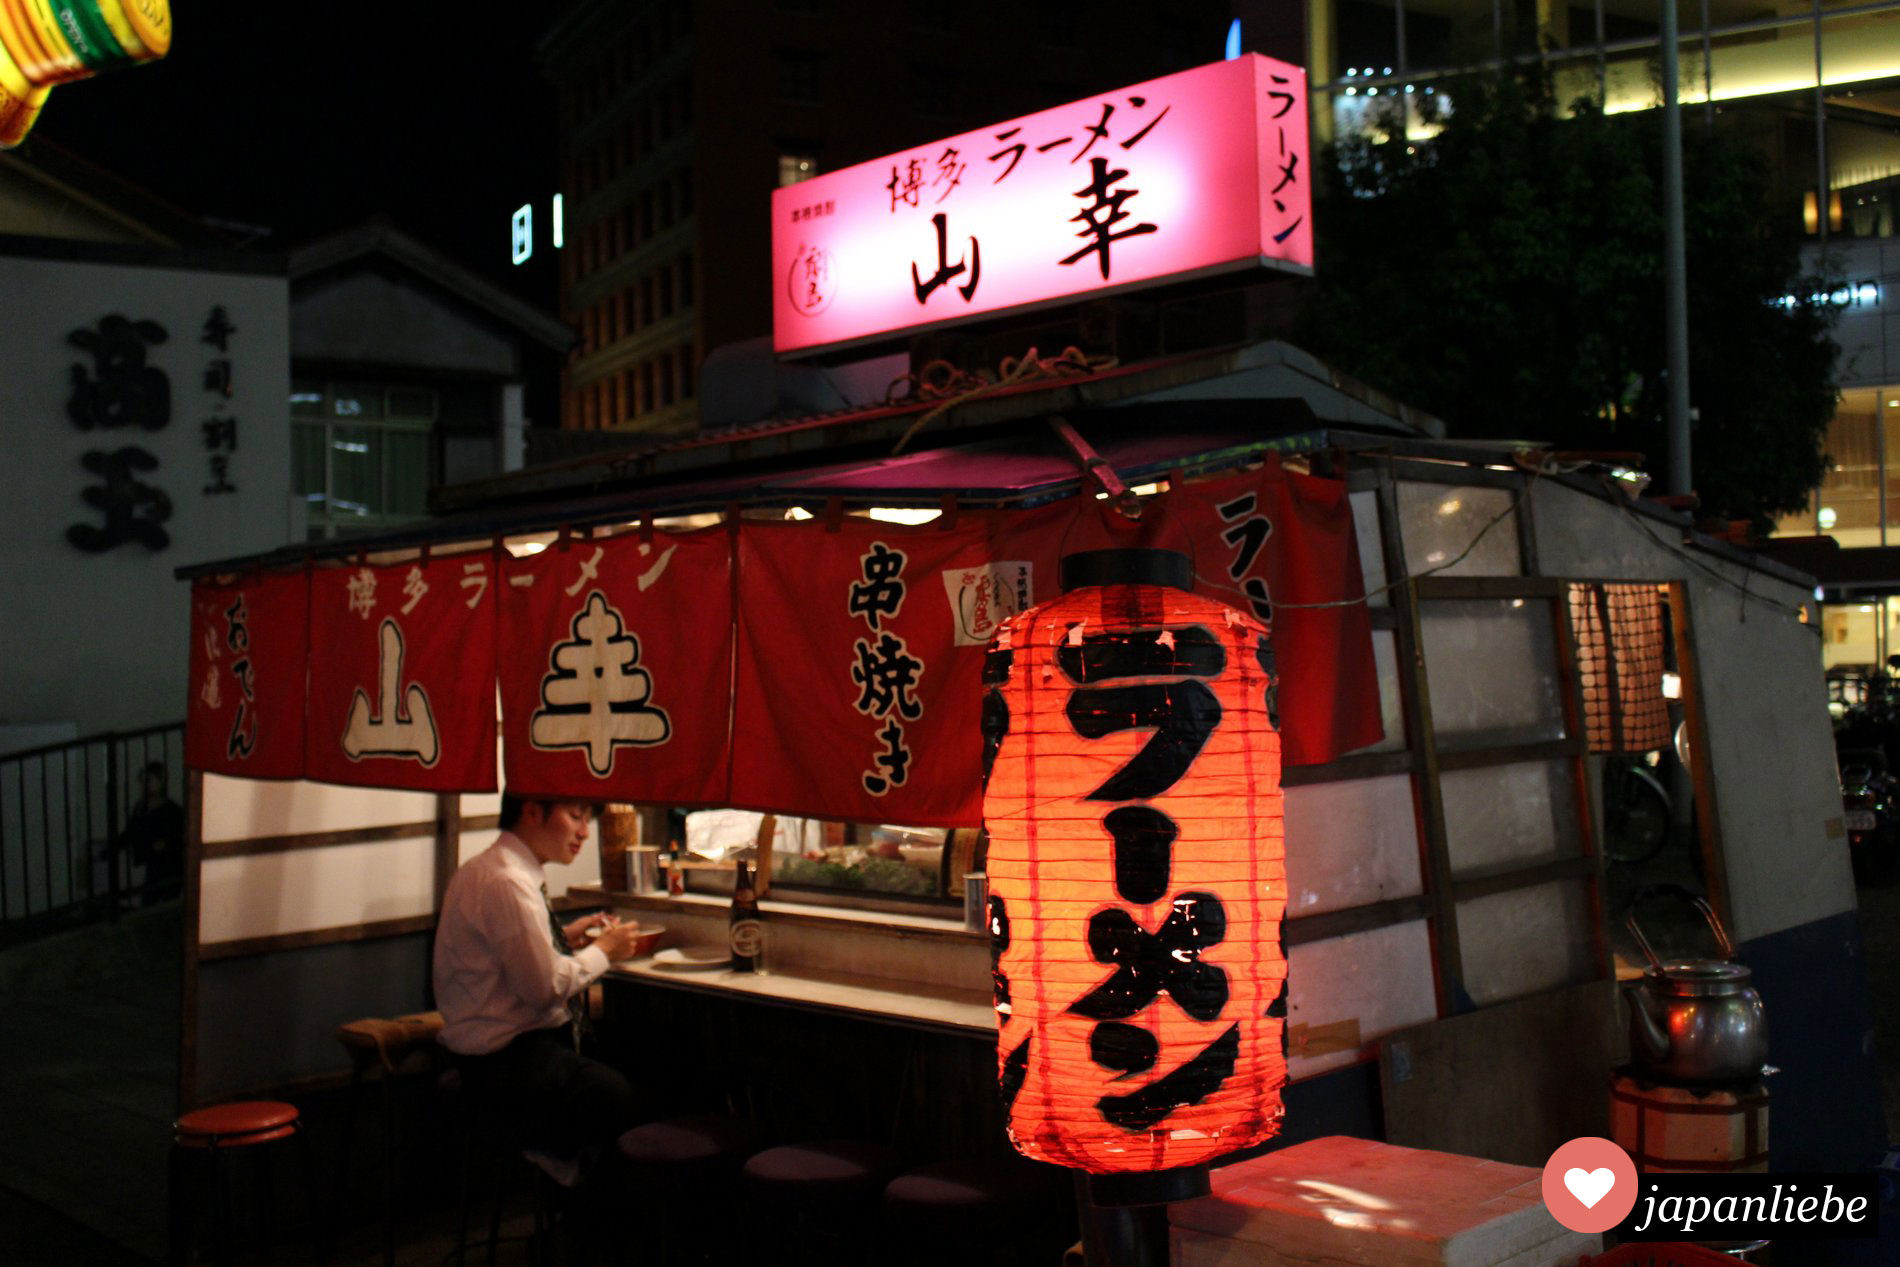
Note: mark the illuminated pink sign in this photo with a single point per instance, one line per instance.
(1197, 173)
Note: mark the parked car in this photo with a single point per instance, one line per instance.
(1870, 796)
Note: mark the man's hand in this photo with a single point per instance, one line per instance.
(576, 931)
(618, 940)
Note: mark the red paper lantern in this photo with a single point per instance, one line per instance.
(1137, 872)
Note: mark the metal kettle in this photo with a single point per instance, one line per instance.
(1694, 1020)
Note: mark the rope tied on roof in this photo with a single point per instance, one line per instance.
(950, 385)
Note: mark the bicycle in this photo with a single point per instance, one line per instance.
(1636, 811)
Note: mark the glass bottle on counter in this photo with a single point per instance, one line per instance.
(747, 932)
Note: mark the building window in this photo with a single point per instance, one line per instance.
(793, 168)
(666, 291)
(663, 370)
(362, 454)
(686, 280)
(686, 373)
(798, 76)
(1862, 443)
(684, 182)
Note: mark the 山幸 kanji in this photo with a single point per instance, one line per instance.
(972, 263)
(1100, 216)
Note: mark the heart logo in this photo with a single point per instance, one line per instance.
(1589, 1186)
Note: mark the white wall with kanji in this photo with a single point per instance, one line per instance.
(145, 411)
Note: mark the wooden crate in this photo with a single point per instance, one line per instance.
(1339, 1200)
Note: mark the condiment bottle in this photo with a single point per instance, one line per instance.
(747, 933)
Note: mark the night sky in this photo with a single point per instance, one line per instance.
(308, 119)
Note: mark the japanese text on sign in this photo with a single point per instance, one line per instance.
(237, 637)
(121, 391)
(220, 430)
(1200, 172)
(885, 671)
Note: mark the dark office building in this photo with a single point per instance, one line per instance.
(679, 118)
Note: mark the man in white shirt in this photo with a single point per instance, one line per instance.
(503, 985)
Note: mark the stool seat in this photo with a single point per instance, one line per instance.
(237, 1124)
(961, 1188)
(695, 1143)
(993, 1210)
(824, 1169)
(388, 1041)
(206, 1144)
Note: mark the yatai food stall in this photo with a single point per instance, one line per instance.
(714, 624)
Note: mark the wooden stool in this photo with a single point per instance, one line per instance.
(980, 1210)
(383, 1049)
(686, 1162)
(211, 1135)
(823, 1193)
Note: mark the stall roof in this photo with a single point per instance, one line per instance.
(1237, 384)
(1190, 414)
(1027, 470)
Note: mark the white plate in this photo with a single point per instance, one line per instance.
(690, 959)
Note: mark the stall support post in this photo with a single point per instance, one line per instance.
(1125, 1216)
(1120, 1235)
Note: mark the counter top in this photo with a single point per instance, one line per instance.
(939, 1008)
(902, 923)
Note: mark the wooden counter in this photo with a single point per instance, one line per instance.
(864, 1025)
(797, 914)
(937, 1008)
(930, 972)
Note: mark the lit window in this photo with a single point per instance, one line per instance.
(362, 455)
(792, 168)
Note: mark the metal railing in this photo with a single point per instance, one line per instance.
(64, 809)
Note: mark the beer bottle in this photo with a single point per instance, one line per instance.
(747, 933)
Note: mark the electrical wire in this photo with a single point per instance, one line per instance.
(1538, 467)
(1462, 555)
(952, 386)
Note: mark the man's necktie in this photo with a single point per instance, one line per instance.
(576, 1003)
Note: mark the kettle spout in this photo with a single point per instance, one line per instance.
(1644, 1028)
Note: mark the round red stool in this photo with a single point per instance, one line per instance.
(205, 1139)
(683, 1168)
(993, 1210)
(822, 1196)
